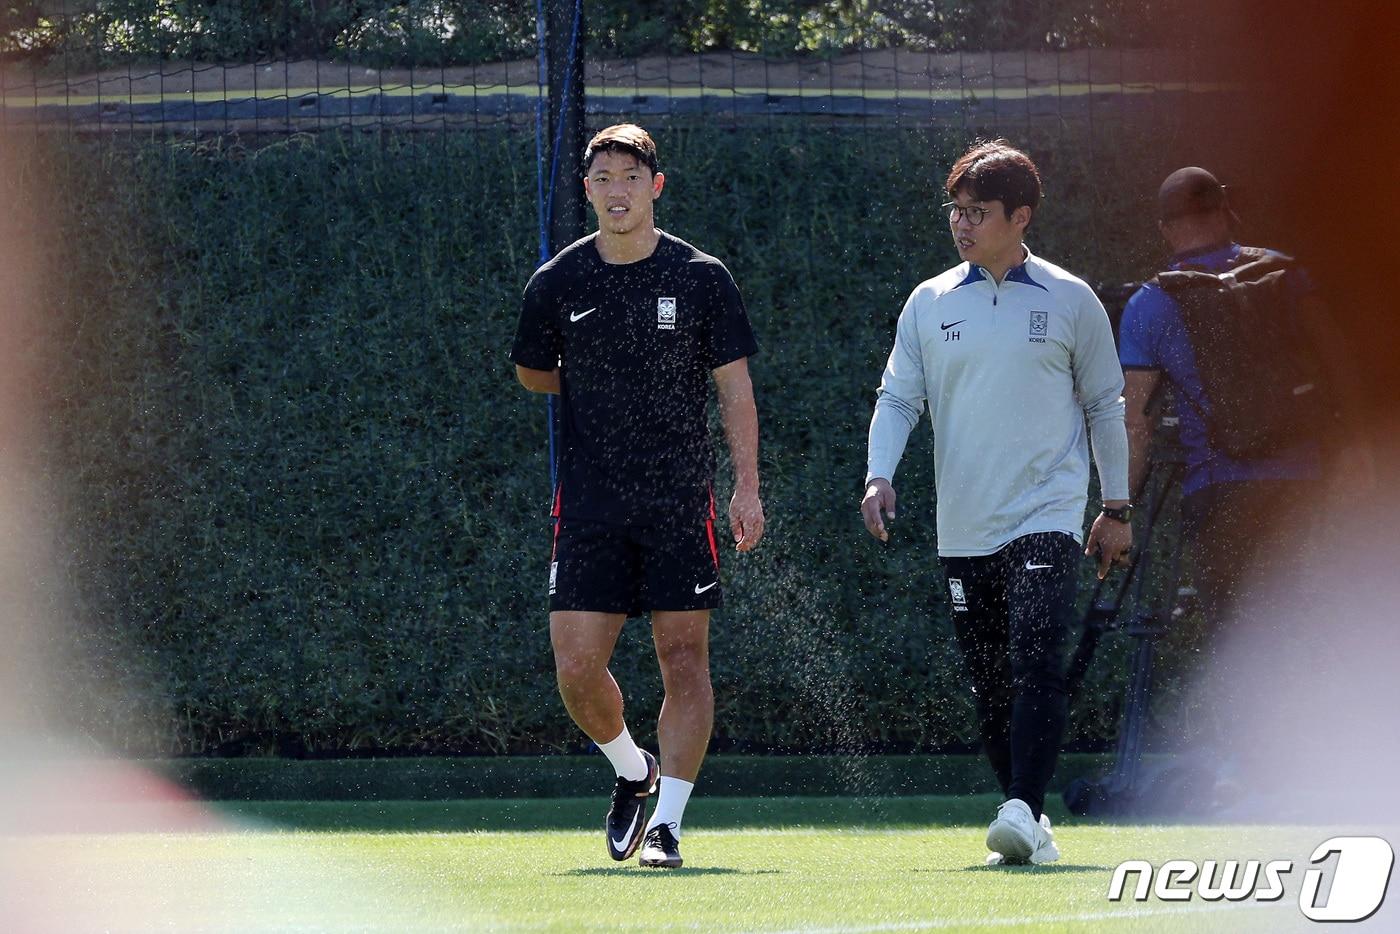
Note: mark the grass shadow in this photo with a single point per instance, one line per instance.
(1053, 869)
(1050, 869)
(661, 873)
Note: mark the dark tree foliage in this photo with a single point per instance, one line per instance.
(459, 32)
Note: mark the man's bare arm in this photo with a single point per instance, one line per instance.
(740, 417)
(1138, 387)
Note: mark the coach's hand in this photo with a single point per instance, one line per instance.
(879, 498)
(1109, 543)
(746, 519)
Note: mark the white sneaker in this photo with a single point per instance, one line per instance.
(1016, 840)
(1045, 849)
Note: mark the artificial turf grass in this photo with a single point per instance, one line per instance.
(744, 879)
(752, 865)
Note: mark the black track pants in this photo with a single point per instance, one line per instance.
(1012, 612)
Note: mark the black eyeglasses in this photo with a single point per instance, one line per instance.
(974, 214)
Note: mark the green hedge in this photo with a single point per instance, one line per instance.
(442, 778)
(303, 501)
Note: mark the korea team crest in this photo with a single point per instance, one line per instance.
(1040, 326)
(666, 314)
(955, 590)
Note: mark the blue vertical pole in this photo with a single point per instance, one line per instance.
(562, 73)
(542, 210)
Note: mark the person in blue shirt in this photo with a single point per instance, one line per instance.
(1243, 516)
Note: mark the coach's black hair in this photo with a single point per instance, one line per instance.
(994, 170)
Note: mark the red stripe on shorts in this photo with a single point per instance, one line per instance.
(555, 513)
(710, 530)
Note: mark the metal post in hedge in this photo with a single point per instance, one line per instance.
(559, 30)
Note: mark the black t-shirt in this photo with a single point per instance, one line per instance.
(635, 344)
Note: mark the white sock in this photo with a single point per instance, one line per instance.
(625, 757)
(670, 803)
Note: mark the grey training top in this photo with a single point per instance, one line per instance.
(1011, 373)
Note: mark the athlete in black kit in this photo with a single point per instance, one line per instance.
(627, 325)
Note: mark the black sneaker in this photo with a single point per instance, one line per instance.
(661, 848)
(626, 816)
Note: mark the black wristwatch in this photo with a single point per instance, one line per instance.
(1121, 513)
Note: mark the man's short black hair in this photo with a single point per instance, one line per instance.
(994, 170)
(622, 137)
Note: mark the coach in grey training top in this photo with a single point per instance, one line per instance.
(1014, 358)
(1010, 372)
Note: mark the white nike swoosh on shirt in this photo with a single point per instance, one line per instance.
(1037, 567)
(579, 315)
(621, 843)
(700, 590)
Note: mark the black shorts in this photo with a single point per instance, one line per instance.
(1013, 610)
(602, 568)
(1024, 591)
